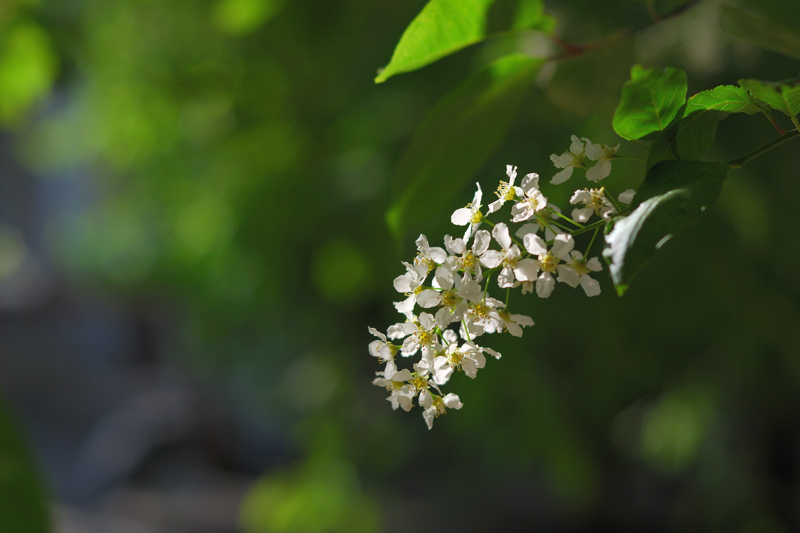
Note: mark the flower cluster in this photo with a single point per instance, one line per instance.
(446, 290)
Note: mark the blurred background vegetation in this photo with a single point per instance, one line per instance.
(193, 241)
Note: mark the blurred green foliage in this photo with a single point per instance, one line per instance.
(236, 166)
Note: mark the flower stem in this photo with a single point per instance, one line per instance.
(566, 218)
(742, 161)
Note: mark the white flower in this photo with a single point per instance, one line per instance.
(577, 271)
(514, 268)
(465, 259)
(410, 284)
(575, 157)
(626, 196)
(548, 260)
(454, 297)
(505, 191)
(531, 199)
(381, 349)
(468, 358)
(421, 334)
(434, 405)
(596, 203)
(401, 394)
(603, 154)
(482, 317)
(427, 255)
(469, 216)
(514, 323)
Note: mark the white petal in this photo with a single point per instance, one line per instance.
(491, 259)
(530, 181)
(561, 161)
(444, 278)
(522, 320)
(594, 265)
(437, 254)
(443, 318)
(577, 146)
(406, 307)
(593, 151)
(534, 244)
(521, 211)
(377, 333)
(428, 298)
(514, 329)
(583, 214)
(525, 229)
(626, 196)
(568, 275)
(505, 279)
(426, 321)
(403, 375)
(402, 283)
(454, 245)
(471, 290)
(452, 401)
(511, 172)
(461, 217)
(562, 245)
(581, 196)
(526, 269)
(545, 285)
(492, 352)
(590, 286)
(470, 368)
(481, 242)
(561, 177)
(497, 204)
(500, 233)
(425, 399)
(476, 200)
(600, 170)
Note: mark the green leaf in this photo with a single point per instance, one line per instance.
(673, 196)
(457, 138)
(531, 16)
(691, 137)
(442, 27)
(728, 98)
(766, 31)
(23, 506)
(783, 96)
(650, 101)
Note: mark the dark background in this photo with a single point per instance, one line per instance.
(192, 245)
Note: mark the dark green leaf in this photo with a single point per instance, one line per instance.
(650, 101)
(23, 506)
(764, 30)
(691, 137)
(673, 196)
(783, 95)
(457, 138)
(441, 28)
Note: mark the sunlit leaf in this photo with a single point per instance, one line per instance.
(28, 66)
(765, 31)
(244, 16)
(692, 136)
(23, 506)
(673, 195)
(650, 101)
(457, 138)
(783, 96)
(441, 28)
(531, 15)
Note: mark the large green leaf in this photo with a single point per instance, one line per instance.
(767, 28)
(23, 506)
(783, 96)
(692, 136)
(673, 195)
(531, 16)
(441, 28)
(650, 101)
(457, 138)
